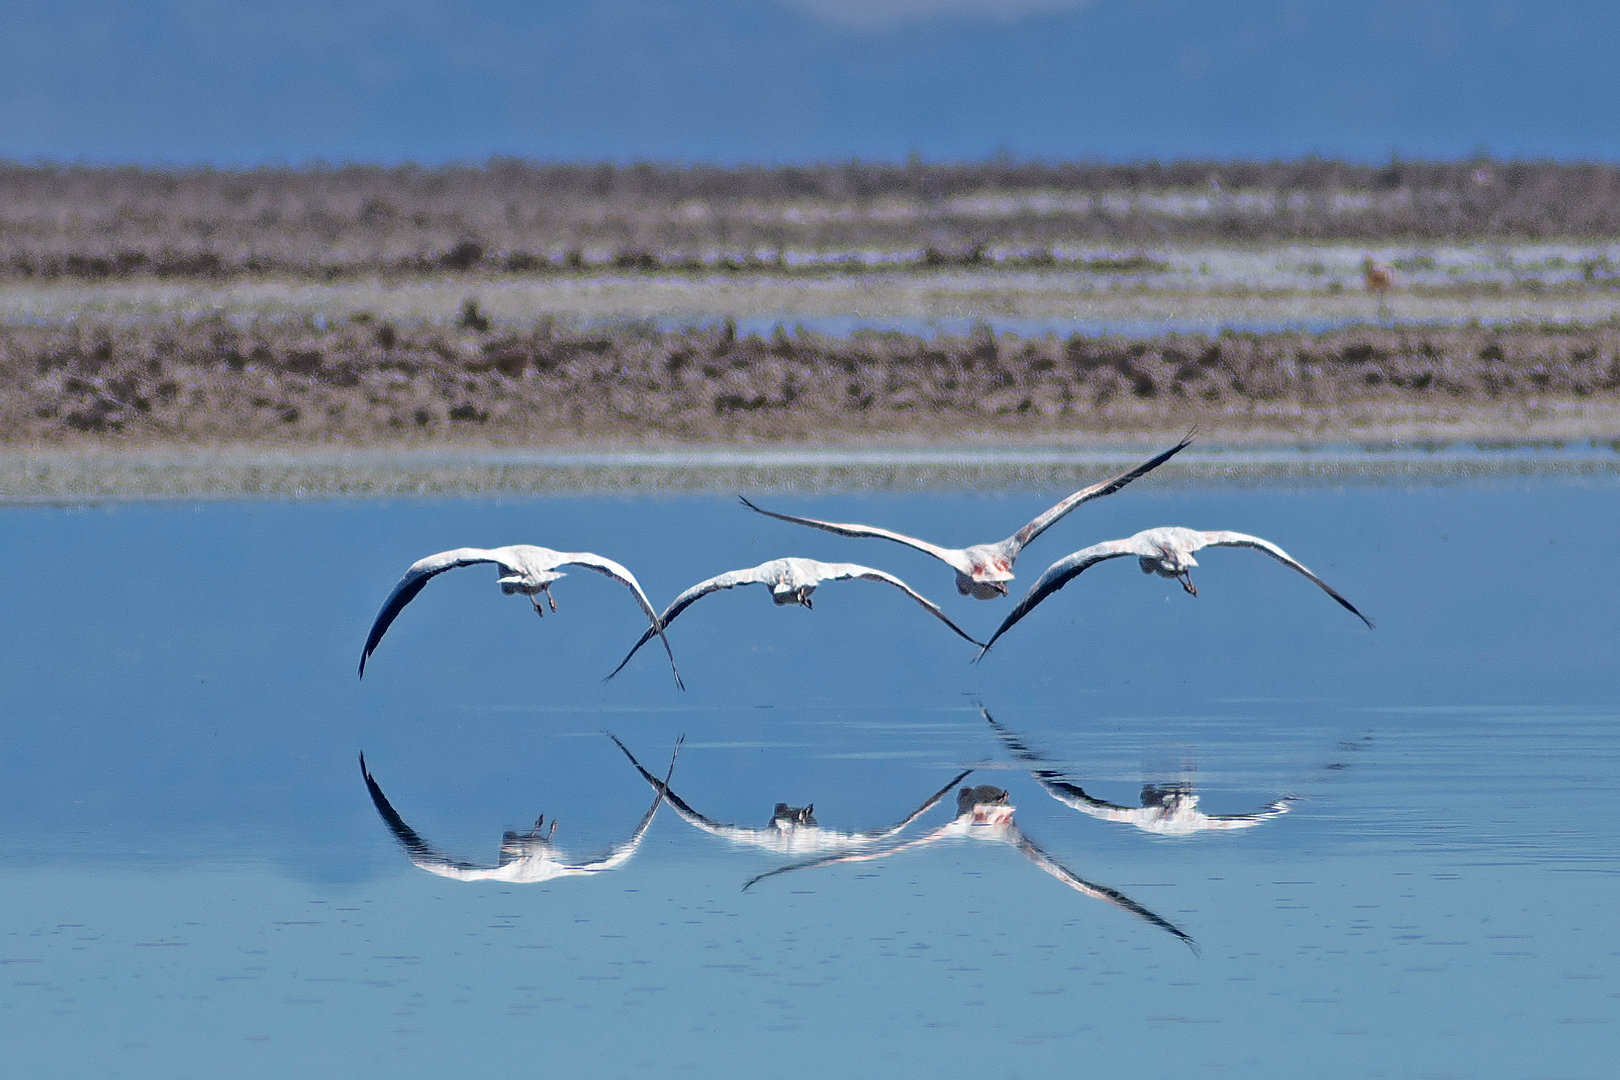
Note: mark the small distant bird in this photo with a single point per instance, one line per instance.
(1378, 279)
(985, 813)
(1166, 810)
(791, 581)
(1166, 551)
(524, 569)
(983, 570)
(526, 858)
(793, 829)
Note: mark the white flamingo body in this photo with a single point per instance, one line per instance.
(792, 829)
(983, 570)
(527, 858)
(1170, 810)
(791, 581)
(1166, 551)
(985, 813)
(524, 569)
(1166, 810)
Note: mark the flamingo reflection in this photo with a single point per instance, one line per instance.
(792, 829)
(1166, 810)
(526, 858)
(985, 813)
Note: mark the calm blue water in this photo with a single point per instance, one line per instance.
(195, 883)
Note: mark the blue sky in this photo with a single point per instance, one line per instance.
(222, 82)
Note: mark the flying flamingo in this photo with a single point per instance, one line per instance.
(524, 569)
(791, 581)
(983, 570)
(984, 813)
(793, 829)
(526, 858)
(1167, 810)
(1166, 551)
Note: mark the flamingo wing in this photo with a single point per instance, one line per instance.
(845, 571)
(1016, 542)
(954, 557)
(929, 804)
(678, 804)
(851, 856)
(1243, 821)
(619, 853)
(415, 580)
(420, 851)
(1237, 539)
(609, 568)
(1058, 575)
(1060, 789)
(729, 580)
(1034, 854)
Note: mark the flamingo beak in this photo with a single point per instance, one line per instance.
(1187, 583)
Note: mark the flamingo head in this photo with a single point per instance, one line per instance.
(787, 818)
(979, 590)
(785, 593)
(986, 805)
(1171, 562)
(1172, 798)
(988, 575)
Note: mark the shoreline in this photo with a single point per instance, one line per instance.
(56, 476)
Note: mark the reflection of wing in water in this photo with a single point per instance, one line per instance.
(984, 813)
(1166, 810)
(526, 858)
(792, 830)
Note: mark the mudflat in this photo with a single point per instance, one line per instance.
(366, 382)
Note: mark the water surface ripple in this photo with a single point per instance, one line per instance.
(198, 880)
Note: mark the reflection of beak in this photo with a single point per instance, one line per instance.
(1001, 588)
(1186, 583)
(805, 600)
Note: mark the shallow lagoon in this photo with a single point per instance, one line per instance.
(196, 883)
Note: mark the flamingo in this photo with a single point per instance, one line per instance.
(1167, 810)
(985, 813)
(1166, 551)
(793, 829)
(1378, 279)
(983, 570)
(527, 858)
(791, 581)
(524, 569)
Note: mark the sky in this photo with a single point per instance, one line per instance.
(225, 83)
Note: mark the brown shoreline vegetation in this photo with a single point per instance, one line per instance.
(92, 224)
(365, 382)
